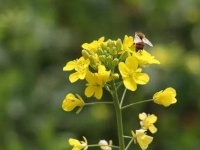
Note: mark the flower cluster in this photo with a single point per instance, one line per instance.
(103, 61)
(109, 64)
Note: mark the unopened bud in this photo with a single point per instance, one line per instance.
(123, 56)
(115, 62)
(118, 45)
(85, 54)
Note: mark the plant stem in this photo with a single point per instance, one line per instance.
(118, 116)
(97, 145)
(122, 99)
(140, 102)
(94, 103)
(129, 144)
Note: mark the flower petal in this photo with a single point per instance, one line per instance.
(144, 141)
(89, 91)
(123, 70)
(131, 63)
(98, 93)
(142, 116)
(74, 77)
(74, 142)
(130, 84)
(70, 66)
(141, 78)
(152, 129)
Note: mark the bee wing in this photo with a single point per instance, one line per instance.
(146, 41)
(137, 39)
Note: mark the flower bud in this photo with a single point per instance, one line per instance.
(115, 62)
(118, 45)
(85, 54)
(123, 56)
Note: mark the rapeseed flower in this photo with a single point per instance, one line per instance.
(96, 82)
(93, 46)
(166, 97)
(144, 58)
(104, 145)
(80, 66)
(141, 138)
(147, 122)
(131, 74)
(78, 145)
(70, 102)
(128, 44)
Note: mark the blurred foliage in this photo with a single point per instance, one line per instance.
(37, 38)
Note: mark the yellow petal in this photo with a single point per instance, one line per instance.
(89, 91)
(101, 39)
(123, 69)
(141, 78)
(70, 66)
(130, 84)
(70, 102)
(152, 118)
(86, 46)
(73, 142)
(144, 141)
(74, 77)
(170, 90)
(98, 93)
(166, 97)
(90, 77)
(152, 129)
(142, 116)
(131, 63)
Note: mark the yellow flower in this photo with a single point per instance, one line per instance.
(131, 74)
(144, 58)
(78, 145)
(96, 82)
(104, 145)
(128, 44)
(70, 102)
(147, 122)
(141, 138)
(94, 45)
(166, 97)
(80, 66)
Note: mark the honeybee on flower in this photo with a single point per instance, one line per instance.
(140, 40)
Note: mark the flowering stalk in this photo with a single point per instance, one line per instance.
(118, 116)
(109, 65)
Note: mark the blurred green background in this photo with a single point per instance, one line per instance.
(38, 37)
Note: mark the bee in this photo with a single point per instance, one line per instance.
(140, 40)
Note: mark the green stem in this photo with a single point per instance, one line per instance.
(130, 142)
(118, 116)
(97, 145)
(140, 102)
(128, 137)
(94, 103)
(122, 99)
